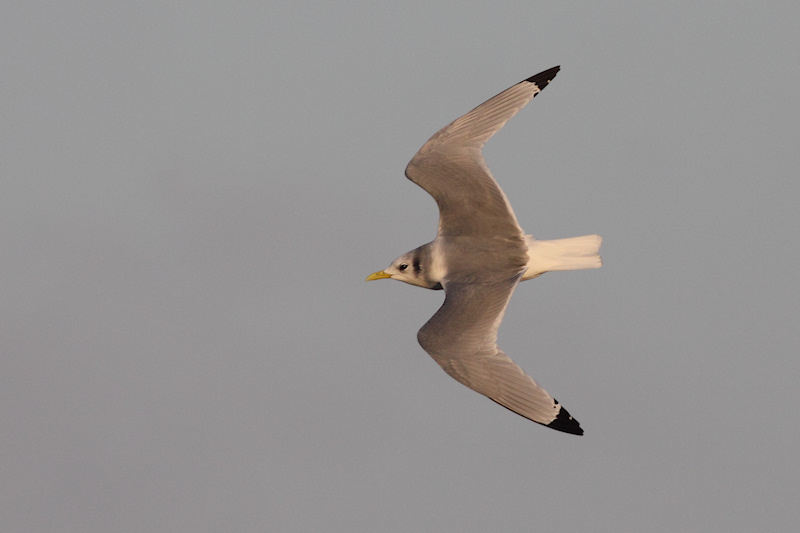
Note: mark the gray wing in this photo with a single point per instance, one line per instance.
(450, 166)
(462, 338)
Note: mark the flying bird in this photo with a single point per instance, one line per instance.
(478, 257)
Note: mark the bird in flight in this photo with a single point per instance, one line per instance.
(478, 257)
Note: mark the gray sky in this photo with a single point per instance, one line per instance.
(192, 195)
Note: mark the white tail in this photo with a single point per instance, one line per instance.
(575, 253)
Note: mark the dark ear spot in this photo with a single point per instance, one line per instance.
(417, 267)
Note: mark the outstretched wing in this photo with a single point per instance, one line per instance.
(462, 338)
(450, 166)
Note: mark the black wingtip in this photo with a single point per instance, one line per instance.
(564, 422)
(543, 78)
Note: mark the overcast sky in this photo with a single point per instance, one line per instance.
(193, 193)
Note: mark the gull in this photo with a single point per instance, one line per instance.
(478, 257)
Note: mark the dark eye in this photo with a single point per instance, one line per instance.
(402, 267)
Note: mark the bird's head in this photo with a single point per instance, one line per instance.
(410, 268)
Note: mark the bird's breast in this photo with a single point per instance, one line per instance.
(468, 259)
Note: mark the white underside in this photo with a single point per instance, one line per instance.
(575, 253)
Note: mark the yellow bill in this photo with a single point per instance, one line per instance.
(378, 275)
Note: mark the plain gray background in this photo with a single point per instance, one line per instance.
(193, 192)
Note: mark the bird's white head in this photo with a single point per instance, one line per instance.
(411, 268)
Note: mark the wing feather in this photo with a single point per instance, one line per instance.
(462, 338)
(451, 168)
